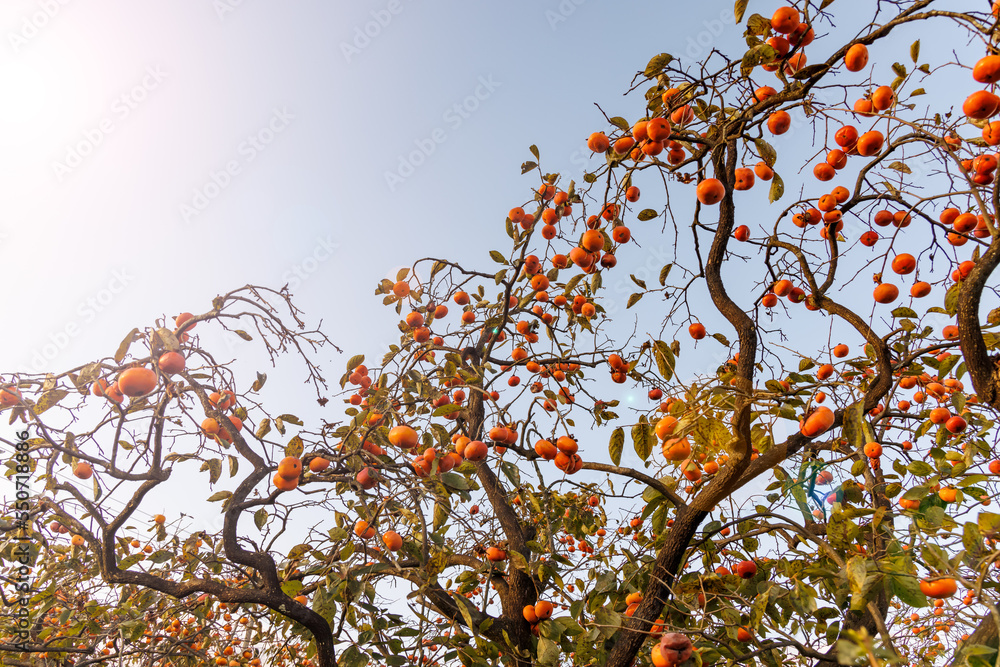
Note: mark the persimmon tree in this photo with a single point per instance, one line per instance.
(525, 479)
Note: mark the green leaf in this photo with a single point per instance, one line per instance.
(740, 9)
(355, 361)
(49, 399)
(497, 257)
(353, 657)
(214, 468)
(548, 652)
(447, 409)
(511, 471)
(294, 447)
(972, 539)
(989, 524)
(620, 123)
(900, 167)
(258, 384)
(260, 518)
(903, 311)
(643, 439)
(777, 188)
(664, 272)
(899, 69)
(125, 345)
(657, 64)
(915, 51)
(665, 360)
(919, 468)
(617, 445)
(219, 495)
(608, 622)
(455, 481)
(766, 151)
(857, 572)
(907, 589)
(854, 425)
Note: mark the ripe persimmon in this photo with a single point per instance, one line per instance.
(870, 143)
(363, 530)
(284, 484)
(170, 363)
(981, 105)
(658, 129)
(987, 69)
(598, 142)
(939, 588)
(886, 293)
(393, 540)
(823, 171)
(290, 467)
(676, 449)
(710, 191)
(403, 436)
(763, 172)
(476, 451)
(779, 122)
(904, 263)
(883, 98)
(744, 179)
(136, 382)
(817, 422)
(785, 19)
(856, 58)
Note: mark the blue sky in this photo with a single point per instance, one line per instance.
(155, 155)
(123, 121)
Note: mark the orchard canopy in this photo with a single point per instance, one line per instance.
(775, 448)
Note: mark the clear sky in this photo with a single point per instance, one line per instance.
(154, 155)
